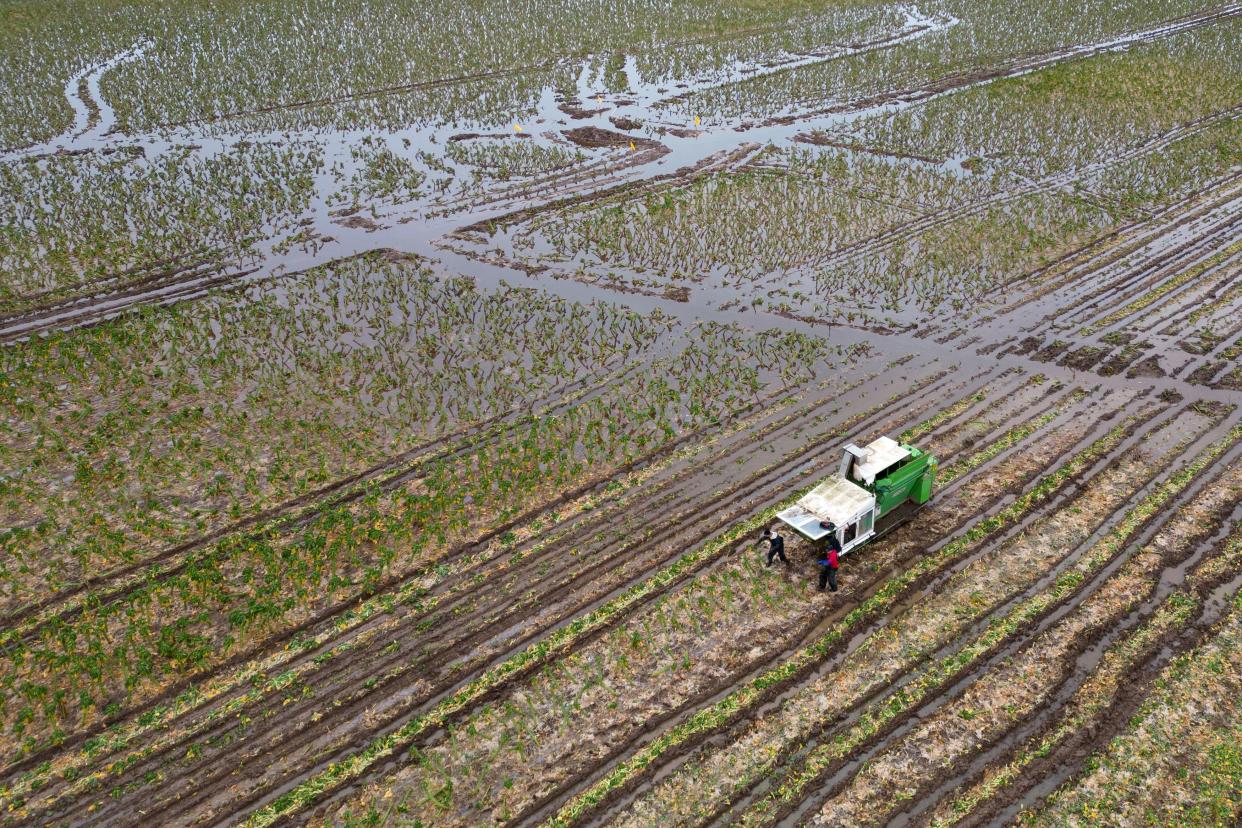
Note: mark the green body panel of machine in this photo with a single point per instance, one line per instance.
(912, 480)
(901, 479)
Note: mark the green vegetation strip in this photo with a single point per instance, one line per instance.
(915, 693)
(1150, 298)
(944, 416)
(739, 701)
(559, 642)
(1219, 788)
(1093, 698)
(1176, 611)
(1011, 438)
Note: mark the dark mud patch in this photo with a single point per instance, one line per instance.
(1050, 353)
(624, 122)
(594, 137)
(472, 136)
(1149, 368)
(1084, 359)
(574, 109)
(359, 223)
(1123, 359)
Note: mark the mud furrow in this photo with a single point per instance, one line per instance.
(1112, 249)
(1159, 274)
(975, 795)
(682, 744)
(934, 593)
(343, 610)
(889, 745)
(44, 302)
(1161, 570)
(720, 510)
(265, 818)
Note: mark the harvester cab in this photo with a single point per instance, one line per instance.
(875, 489)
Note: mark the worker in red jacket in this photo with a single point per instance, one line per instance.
(828, 563)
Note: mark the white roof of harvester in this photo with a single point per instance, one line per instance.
(881, 454)
(836, 499)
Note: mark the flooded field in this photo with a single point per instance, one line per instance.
(392, 396)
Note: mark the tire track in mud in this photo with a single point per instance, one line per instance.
(1025, 759)
(91, 310)
(885, 239)
(265, 818)
(30, 306)
(434, 83)
(945, 493)
(1096, 292)
(768, 711)
(1069, 678)
(1054, 399)
(778, 484)
(1161, 273)
(1132, 682)
(1108, 250)
(839, 774)
(731, 705)
(1214, 597)
(353, 604)
(415, 618)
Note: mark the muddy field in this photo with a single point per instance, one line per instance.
(392, 396)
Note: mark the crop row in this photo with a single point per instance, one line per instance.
(345, 770)
(530, 549)
(1103, 104)
(316, 378)
(111, 655)
(982, 34)
(203, 63)
(623, 686)
(971, 592)
(73, 222)
(1009, 675)
(1186, 735)
(738, 702)
(1100, 690)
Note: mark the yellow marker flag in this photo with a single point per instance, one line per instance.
(517, 127)
(696, 120)
(632, 147)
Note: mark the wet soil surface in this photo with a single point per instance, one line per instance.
(1088, 450)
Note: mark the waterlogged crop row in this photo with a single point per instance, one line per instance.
(202, 62)
(233, 595)
(155, 427)
(981, 34)
(802, 220)
(751, 223)
(1104, 106)
(73, 221)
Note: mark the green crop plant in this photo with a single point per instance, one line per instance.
(738, 701)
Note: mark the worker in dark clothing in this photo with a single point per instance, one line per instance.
(828, 561)
(776, 546)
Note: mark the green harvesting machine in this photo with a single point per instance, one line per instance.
(875, 489)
